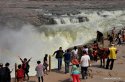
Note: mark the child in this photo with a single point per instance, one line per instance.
(25, 66)
(75, 74)
(20, 74)
(39, 69)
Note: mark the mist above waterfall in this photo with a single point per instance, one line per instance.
(25, 40)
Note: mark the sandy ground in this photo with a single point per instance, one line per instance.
(96, 74)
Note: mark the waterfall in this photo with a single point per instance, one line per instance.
(29, 41)
(58, 21)
(69, 20)
(74, 20)
(66, 20)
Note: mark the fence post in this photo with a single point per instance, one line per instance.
(15, 72)
(49, 63)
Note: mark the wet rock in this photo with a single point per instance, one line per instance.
(83, 19)
(51, 21)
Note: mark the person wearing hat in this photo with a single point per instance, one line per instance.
(111, 57)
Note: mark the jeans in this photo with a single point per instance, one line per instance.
(59, 63)
(67, 66)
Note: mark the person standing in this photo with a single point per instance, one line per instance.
(111, 57)
(99, 37)
(75, 52)
(39, 69)
(2, 73)
(67, 58)
(110, 38)
(25, 66)
(75, 73)
(123, 35)
(85, 63)
(119, 39)
(113, 33)
(59, 54)
(20, 73)
(85, 48)
(45, 64)
(7, 73)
